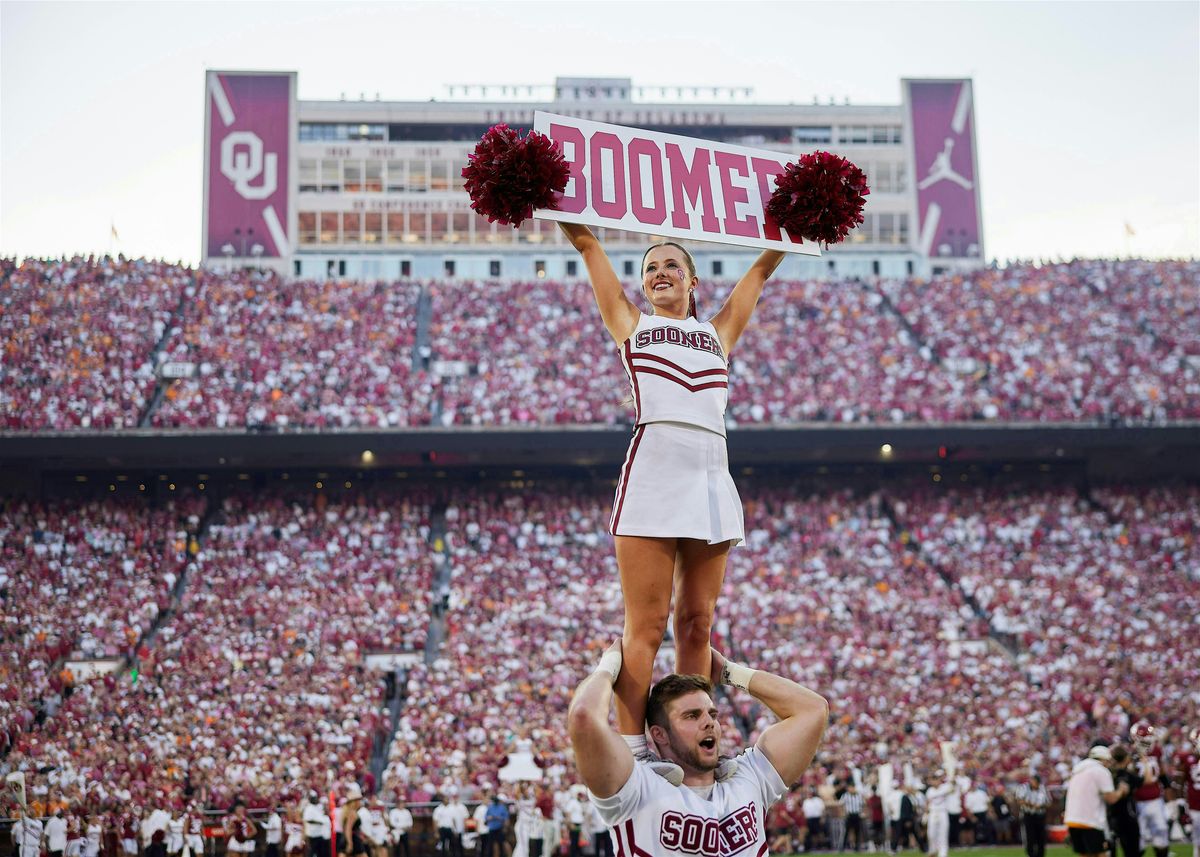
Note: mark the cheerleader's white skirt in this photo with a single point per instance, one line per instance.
(675, 483)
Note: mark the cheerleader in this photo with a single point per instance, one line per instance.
(93, 834)
(676, 512)
(293, 833)
(193, 831)
(175, 834)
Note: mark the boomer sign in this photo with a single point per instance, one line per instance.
(248, 127)
(664, 184)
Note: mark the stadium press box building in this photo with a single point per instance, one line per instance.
(373, 189)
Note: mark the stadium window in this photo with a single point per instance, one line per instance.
(374, 176)
(329, 227)
(439, 222)
(909, 267)
(718, 267)
(373, 227)
(880, 134)
(875, 267)
(628, 268)
(901, 228)
(395, 227)
(418, 175)
(417, 223)
(460, 225)
(352, 176)
(572, 268)
(331, 268)
(832, 269)
(448, 267)
(539, 268)
(308, 175)
(295, 267)
(887, 228)
(307, 221)
(812, 134)
(331, 176)
(406, 267)
(494, 268)
(351, 227)
(341, 267)
(897, 134)
(901, 183)
(395, 177)
(439, 175)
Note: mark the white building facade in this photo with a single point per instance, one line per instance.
(373, 189)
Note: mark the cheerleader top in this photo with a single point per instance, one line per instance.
(677, 372)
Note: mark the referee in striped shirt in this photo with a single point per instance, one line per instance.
(852, 803)
(1034, 799)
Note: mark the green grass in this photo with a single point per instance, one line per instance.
(1178, 849)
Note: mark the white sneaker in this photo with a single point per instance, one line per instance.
(727, 766)
(669, 771)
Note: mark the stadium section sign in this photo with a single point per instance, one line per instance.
(664, 184)
(249, 122)
(941, 124)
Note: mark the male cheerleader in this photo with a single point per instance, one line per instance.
(647, 814)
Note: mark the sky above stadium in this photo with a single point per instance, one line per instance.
(1088, 113)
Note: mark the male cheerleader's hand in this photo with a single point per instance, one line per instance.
(725, 671)
(726, 765)
(610, 661)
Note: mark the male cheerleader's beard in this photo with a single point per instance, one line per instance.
(694, 757)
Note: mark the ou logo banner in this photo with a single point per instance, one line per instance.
(243, 161)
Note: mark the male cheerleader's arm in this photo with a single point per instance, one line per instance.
(604, 760)
(791, 743)
(618, 312)
(733, 317)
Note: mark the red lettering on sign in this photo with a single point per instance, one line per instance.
(561, 134)
(645, 214)
(727, 164)
(692, 181)
(765, 171)
(600, 141)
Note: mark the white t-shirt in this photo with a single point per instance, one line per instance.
(938, 798)
(401, 819)
(977, 802)
(274, 828)
(813, 807)
(316, 821)
(650, 814)
(56, 833)
(1085, 806)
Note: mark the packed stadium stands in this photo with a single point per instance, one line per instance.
(1017, 618)
(1080, 342)
(253, 683)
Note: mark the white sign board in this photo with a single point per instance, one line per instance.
(665, 184)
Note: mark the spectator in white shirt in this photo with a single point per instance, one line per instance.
(1089, 792)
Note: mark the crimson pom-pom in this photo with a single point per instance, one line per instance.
(508, 177)
(819, 198)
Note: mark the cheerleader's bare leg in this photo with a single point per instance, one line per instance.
(699, 574)
(647, 567)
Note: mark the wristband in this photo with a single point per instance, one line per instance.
(610, 664)
(737, 675)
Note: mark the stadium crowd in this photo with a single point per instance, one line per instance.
(272, 353)
(255, 686)
(1088, 341)
(79, 338)
(78, 578)
(252, 684)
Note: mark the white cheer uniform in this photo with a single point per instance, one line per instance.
(649, 817)
(937, 805)
(675, 482)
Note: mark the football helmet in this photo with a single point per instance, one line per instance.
(1143, 735)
